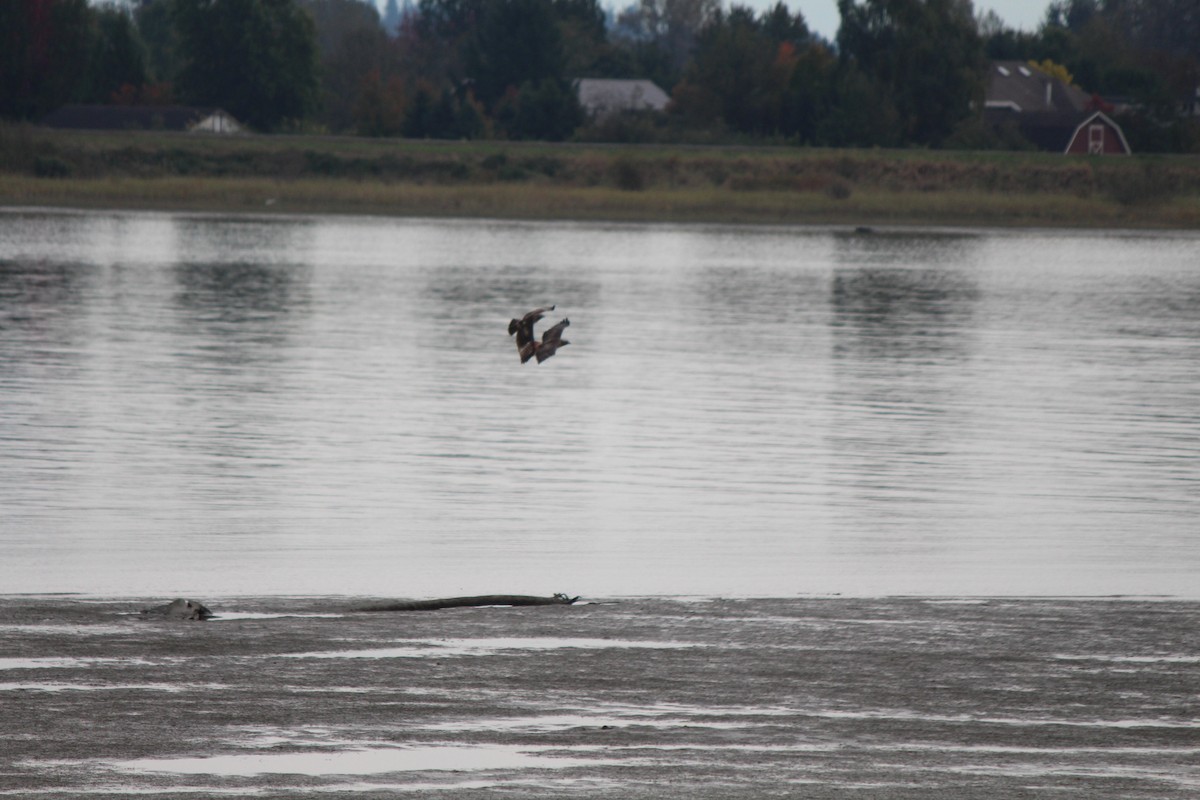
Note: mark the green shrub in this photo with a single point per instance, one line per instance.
(838, 190)
(628, 175)
(51, 167)
(1143, 185)
(494, 161)
(512, 173)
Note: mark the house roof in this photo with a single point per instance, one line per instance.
(100, 117)
(607, 95)
(1023, 88)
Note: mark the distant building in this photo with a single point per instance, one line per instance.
(1084, 133)
(602, 97)
(1051, 114)
(150, 118)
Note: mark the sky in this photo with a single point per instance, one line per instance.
(822, 15)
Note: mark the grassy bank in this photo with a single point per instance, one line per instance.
(572, 181)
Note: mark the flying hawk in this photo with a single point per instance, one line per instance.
(551, 341)
(527, 346)
(523, 328)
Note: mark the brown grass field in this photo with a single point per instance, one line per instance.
(309, 174)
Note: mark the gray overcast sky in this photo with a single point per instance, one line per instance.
(822, 15)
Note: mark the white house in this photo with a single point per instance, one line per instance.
(602, 97)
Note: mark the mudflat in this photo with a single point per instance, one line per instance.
(631, 698)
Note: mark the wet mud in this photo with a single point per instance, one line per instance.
(644, 698)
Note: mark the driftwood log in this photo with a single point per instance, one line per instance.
(465, 602)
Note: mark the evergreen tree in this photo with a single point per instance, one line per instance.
(744, 72)
(118, 56)
(42, 43)
(671, 26)
(926, 55)
(356, 57)
(514, 42)
(156, 25)
(257, 59)
(547, 109)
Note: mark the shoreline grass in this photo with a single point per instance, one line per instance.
(551, 202)
(173, 172)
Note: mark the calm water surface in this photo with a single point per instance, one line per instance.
(313, 405)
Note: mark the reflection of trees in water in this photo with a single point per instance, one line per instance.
(44, 333)
(237, 313)
(903, 295)
(902, 313)
(267, 241)
(41, 308)
(241, 285)
(736, 294)
(241, 270)
(902, 333)
(238, 302)
(743, 309)
(237, 292)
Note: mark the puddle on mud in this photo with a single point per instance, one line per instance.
(94, 687)
(994, 749)
(69, 662)
(1059, 771)
(65, 630)
(1160, 659)
(229, 616)
(957, 601)
(132, 791)
(411, 788)
(443, 648)
(660, 716)
(911, 716)
(364, 761)
(46, 662)
(337, 789)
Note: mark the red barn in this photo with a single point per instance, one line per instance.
(1051, 114)
(1097, 135)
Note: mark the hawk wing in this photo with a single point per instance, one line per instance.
(526, 322)
(551, 341)
(544, 351)
(523, 328)
(554, 334)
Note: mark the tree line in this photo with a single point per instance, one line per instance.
(898, 72)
